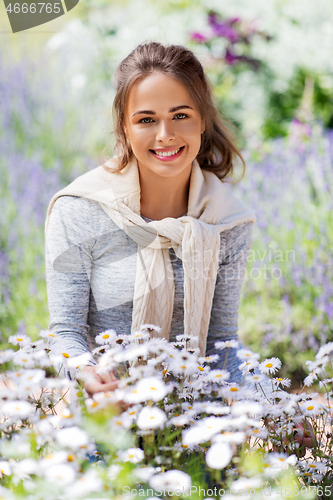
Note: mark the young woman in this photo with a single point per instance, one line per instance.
(155, 234)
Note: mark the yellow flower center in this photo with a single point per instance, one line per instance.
(106, 336)
(233, 389)
(310, 408)
(269, 365)
(65, 355)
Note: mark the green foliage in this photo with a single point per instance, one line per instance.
(284, 106)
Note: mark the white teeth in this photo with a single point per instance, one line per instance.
(169, 153)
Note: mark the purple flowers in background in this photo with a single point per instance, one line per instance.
(289, 185)
(237, 35)
(35, 161)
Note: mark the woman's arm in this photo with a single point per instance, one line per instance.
(235, 246)
(68, 247)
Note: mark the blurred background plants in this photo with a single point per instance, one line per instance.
(271, 67)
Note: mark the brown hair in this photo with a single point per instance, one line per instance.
(218, 148)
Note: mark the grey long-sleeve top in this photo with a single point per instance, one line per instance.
(90, 273)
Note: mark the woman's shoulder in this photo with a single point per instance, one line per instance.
(238, 233)
(81, 213)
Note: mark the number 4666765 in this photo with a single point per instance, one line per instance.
(32, 8)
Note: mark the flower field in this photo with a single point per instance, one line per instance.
(175, 427)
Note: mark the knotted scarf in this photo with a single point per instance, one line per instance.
(195, 238)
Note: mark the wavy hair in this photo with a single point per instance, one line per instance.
(218, 142)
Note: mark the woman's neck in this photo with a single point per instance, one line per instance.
(163, 197)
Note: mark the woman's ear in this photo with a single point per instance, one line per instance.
(203, 125)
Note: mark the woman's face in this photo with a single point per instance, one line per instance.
(163, 125)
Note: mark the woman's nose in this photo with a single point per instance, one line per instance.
(165, 132)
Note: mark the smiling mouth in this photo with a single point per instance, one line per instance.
(164, 154)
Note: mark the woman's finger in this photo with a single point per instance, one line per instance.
(93, 387)
(108, 377)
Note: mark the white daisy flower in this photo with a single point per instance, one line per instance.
(60, 474)
(312, 408)
(255, 378)
(23, 358)
(144, 473)
(150, 328)
(181, 420)
(258, 433)
(246, 483)
(325, 350)
(270, 365)
(88, 483)
(131, 353)
(151, 418)
(151, 388)
(227, 344)
(218, 376)
(238, 437)
(47, 334)
(183, 364)
(20, 339)
(79, 361)
(6, 355)
(247, 354)
(249, 407)
(73, 438)
(232, 391)
(140, 335)
(308, 381)
(107, 337)
(281, 461)
(208, 359)
(5, 468)
(248, 365)
(219, 455)
(133, 455)
(24, 468)
(123, 421)
(17, 409)
(282, 382)
(211, 407)
(113, 471)
(203, 430)
(172, 481)
(5, 494)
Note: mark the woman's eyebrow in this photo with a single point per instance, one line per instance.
(172, 110)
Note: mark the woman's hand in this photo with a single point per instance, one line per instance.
(99, 382)
(304, 435)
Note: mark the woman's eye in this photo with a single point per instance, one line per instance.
(146, 120)
(180, 116)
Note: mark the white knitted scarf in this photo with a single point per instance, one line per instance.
(195, 238)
